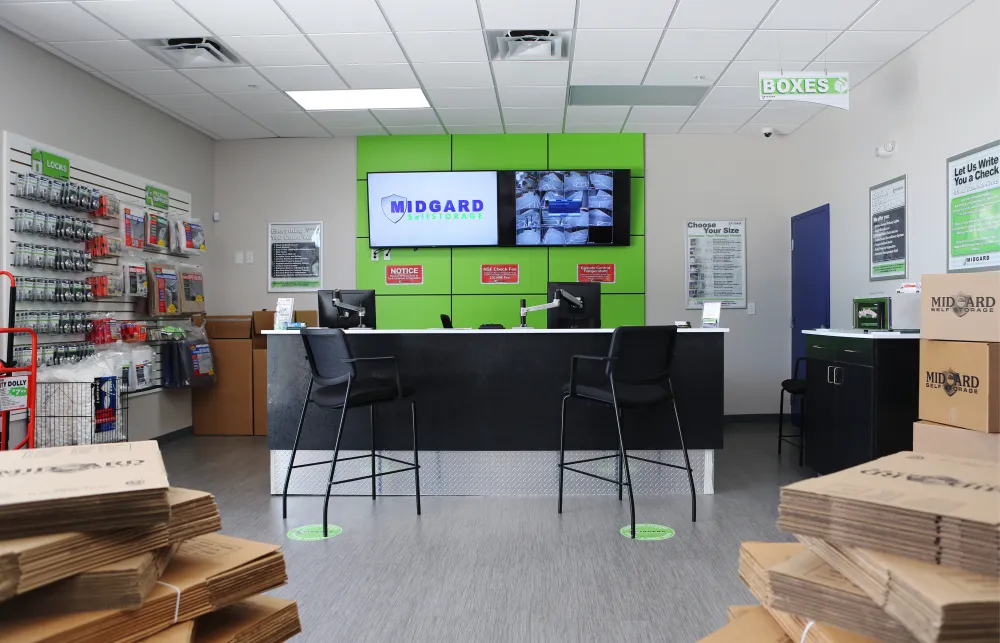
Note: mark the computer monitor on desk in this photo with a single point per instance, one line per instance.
(568, 314)
(337, 308)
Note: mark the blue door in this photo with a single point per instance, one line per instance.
(810, 280)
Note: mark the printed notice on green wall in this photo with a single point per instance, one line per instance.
(49, 164)
(157, 197)
(974, 209)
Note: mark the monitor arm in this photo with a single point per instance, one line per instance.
(360, 310)
(574, 301)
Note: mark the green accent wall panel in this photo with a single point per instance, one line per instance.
(363, 209)
(621, 310)
(471, 311)
(597, 152)
(499, 151)
(466, 266)
(403, 154)
(630, 265)
(638, 205)
(395, 312)
(436, 263)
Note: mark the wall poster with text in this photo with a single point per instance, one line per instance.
(716, 253)
(887, 234)
(295, 256)
(974, 209)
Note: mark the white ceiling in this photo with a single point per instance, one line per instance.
(440, 47)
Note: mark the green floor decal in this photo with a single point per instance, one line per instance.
(648, 532)
(315, 532)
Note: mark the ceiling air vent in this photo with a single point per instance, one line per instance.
(529, 44)
(188, 53)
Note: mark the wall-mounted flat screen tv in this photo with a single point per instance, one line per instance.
(506, 208)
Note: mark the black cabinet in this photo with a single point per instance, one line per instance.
(862, 399)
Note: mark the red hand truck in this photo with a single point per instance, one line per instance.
(7, 368)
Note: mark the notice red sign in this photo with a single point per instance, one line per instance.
(404, 275)
(500, 273)
(602, 272)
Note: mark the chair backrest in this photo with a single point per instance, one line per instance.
(643, 354)
(446, 321)
(326, 349)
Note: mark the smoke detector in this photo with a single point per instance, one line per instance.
(528, 44)
(191, 53)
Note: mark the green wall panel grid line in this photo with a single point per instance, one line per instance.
(403, 154)
(466, 270)
(436, 264)
(406, 312)
(471, 311)
(499, 151)
(638, 207)
(630, 264)
(363, 209)
(597, 152)
(622, 310)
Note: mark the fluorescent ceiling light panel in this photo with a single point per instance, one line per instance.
(318, 101)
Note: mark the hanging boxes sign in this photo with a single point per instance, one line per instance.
(157, 198)
(50, 165)
(826, 89)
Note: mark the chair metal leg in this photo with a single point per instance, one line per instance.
(687, 460)
(562, 449)
(372, 418)
(802, 430)
(781, 417)
(624, 453)
(620, 458)
(333, 464)
(416, 457)
(295, 447)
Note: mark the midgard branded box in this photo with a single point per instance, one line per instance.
(960, 384)
(929, 437)
(961, 307)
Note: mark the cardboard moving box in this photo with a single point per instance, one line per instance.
(226, 408)
(960, 384)
(961, 307)
(929, 437)
(259, 391)
(753, 625)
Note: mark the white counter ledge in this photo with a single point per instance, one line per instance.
(451, 331)
(860, 334)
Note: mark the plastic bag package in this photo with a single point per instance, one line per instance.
(164, 289)
(134, 227)
(187, 236)
(192, 289)
(65, 415)
(141, 375)
(157, 232)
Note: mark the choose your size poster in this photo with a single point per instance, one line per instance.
(974, 209)
(294, 256)
(716, 263)
(887, 214)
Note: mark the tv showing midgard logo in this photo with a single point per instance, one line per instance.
(952, 382)
(962, 304)
(419, 209)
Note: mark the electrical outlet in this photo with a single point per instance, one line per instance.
(239, 256)
(249, 256)
(751, 308)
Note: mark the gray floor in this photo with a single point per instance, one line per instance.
(504, 569)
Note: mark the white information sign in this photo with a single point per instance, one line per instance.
(14, 393)
(887, 216)
(974, 209)
(295, 256)
(716, 263)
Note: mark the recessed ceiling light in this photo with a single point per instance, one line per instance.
(317, 101)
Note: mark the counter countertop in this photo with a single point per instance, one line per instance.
(451, 331)
(860, 334)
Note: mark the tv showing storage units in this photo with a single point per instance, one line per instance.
(525, 208)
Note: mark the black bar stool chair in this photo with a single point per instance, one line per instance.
(637, 375)
(794, 386)
(336, 384)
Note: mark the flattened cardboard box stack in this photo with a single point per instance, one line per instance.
(142, 560)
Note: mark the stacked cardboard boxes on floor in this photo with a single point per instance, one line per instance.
(142, 562)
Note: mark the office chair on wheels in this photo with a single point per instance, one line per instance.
(637, 375)
(793, 386)
(337, 383)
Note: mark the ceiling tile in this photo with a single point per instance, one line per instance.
(719, 14)
(347, 132)
(711, 128)
(454, 74)
(915, 15)
(857, 71)
(146, 18)
(421, 130)
(444, 46)
(652, 128)
(616, 44)
(734, 97)
(747, 72)
(786, 113)
(532, 96)
(261, 102)
(532, 115)
(275, 50)
(232, 80)
(306, 78)
(476, 129)
(112, 55)
(809, 14)
(359, 48)
(701, 44)
(595, 128)
(870, 46)
(291, 125)
(56, 21)
(240, 17)
(660, 113)
(723, 114)
(624, 14)
(229, 125)
(523, 73)
(580, 114)
(533, 128)
(193, 104)
(675, 72)
(156, 82)
(399, 117)
(588, 72)
(61, 54)
(462, 97)
(442, 15)
(463, 117)
(336, 16)
(528, 14)
(779, 128)
(345, 118)
(388, 76)
(786, 45)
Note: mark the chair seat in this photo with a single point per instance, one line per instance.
(795, 387)
(362, 392)
(629, 395)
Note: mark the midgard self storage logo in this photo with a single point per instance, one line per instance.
(394, 207)
(952, 382)
(962, 304)
(946, 481)
(69, 468)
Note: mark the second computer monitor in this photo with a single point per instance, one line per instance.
(567, 315)
(332, 316)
